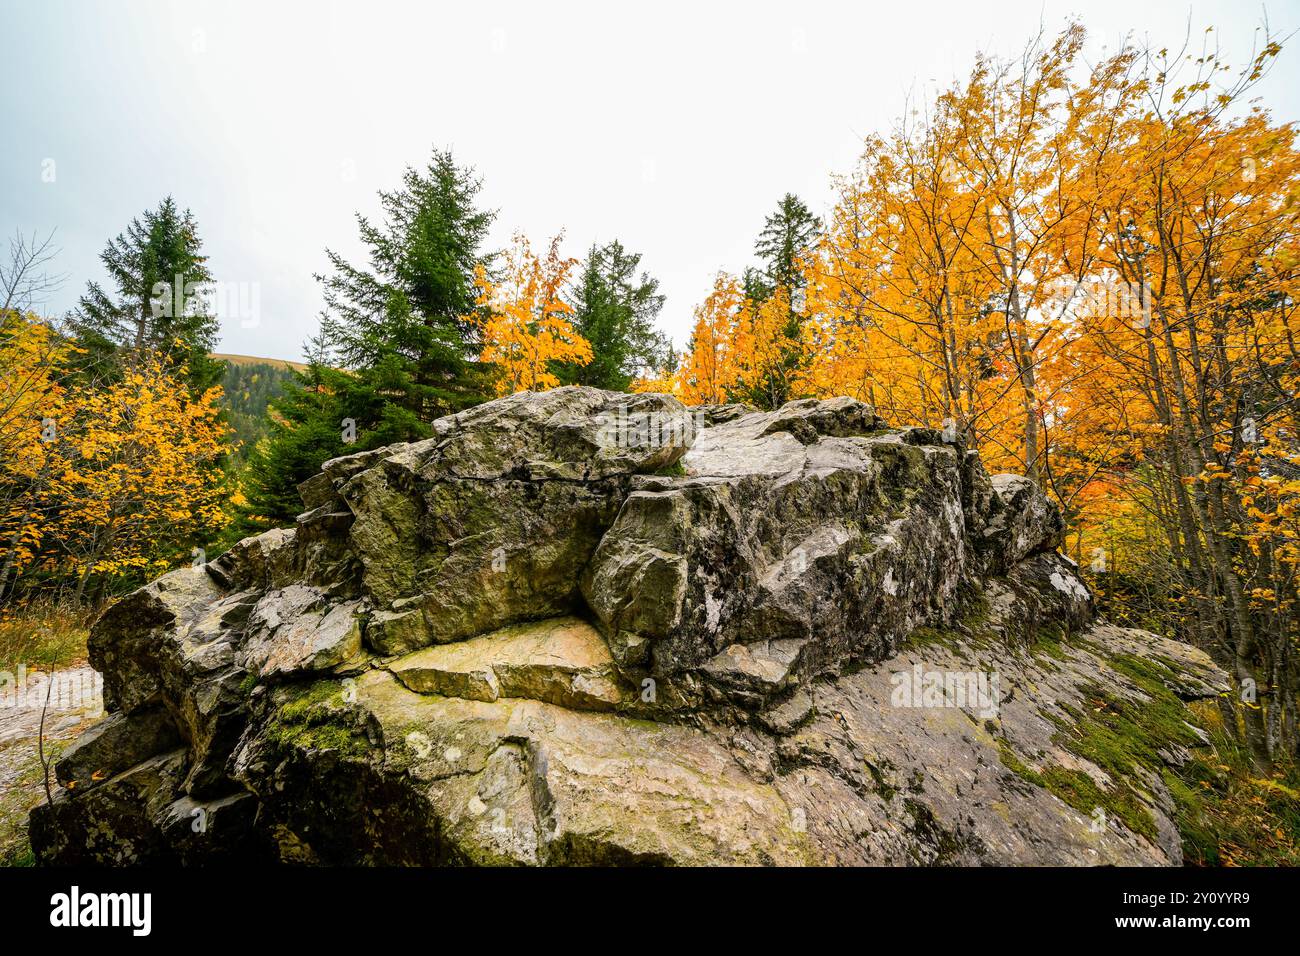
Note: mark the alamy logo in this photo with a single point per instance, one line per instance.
(624, 428)
(975, 690)
(79, 689)
(222, 299)
(74, 909)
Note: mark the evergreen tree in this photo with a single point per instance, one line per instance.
(405, 326)
(158, 304)
(786, 237)
(615, 310)
(306, 428)
(787, 234)
(756, 285)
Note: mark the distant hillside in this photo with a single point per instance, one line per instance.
(250, 383)
(242, 360)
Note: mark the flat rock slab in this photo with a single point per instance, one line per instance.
(858, 777)
(901, 779)
(292, 630)
(527, 782)
(562, 661)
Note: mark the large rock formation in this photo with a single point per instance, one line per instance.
(585, 627)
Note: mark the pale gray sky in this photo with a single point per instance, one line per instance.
(674, 127)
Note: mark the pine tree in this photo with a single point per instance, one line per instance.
(158, 305)
(405, 326)
(306, 428)
(756, 285)
(615, 310)
(788, 235)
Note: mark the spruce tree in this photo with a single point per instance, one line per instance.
(404, 326)
(786, 237)
(158, 302)
(306, 428)
(787, 234)
(756, 285)
(615, 310)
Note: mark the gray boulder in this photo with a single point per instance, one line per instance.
(579, 627)
(799, 540)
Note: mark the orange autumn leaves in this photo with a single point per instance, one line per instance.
(30, 358)
(739, 347)
(134, 467)
(1089, 269)
(526, 325)
(714, 367)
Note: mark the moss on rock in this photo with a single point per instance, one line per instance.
(318, 717)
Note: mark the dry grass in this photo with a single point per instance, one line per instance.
(20, 768)
(42, 634)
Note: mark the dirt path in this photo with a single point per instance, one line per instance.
(21, 779)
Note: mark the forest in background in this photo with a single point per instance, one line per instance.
(247, 389)
(1082, 269)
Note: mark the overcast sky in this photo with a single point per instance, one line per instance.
(673, 127)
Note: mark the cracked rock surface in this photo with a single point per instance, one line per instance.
(582, 627)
